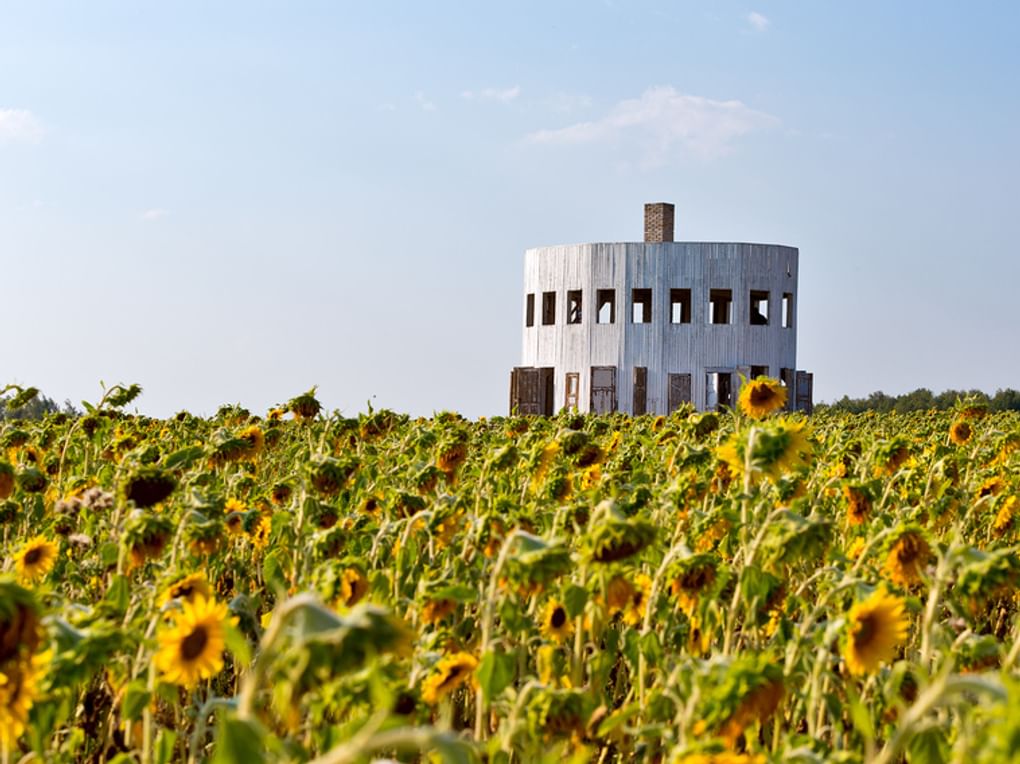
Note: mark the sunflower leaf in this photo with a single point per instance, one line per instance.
(495, 673)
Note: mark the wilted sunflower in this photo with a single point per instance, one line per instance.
(147, 486)
(858, 503)
(35, 559)
(877, 626)
(449, 674)
(991, 487)
(761, 397)
(960, 432)
(693, 579)
(555, 622)
(433, 611)
(908, 554)
(192, 648)
(634, 613)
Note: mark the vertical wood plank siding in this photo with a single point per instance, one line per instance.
(660, 346)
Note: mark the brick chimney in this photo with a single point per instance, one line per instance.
(659, 222)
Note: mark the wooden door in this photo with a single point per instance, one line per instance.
(640, 391)
(805, 392)
(603, 389)
(679, 391)
(573, 387)
(526, 391)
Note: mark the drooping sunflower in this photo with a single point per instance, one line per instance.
(556, 623)
(858, 503)
(192, 648)
(638, 602)
(449, 674)
(6, 480)
(435, 610)
(991, 487)
(908, 554)
(35, 559)
(780, 447)
(877, 626)
(960, 432)
(1005, 516)
(761, 397)
(188, 588)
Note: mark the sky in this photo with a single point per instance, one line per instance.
(231, 202)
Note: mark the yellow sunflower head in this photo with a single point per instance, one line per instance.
(191, 649)
(858, 503)
(255, 439)
(450, 673)
(960, 431)
(760, 397)
(907, 557)
(18, 693)
(876, 627)
(188, 588)
(556, 623)
(35, 559)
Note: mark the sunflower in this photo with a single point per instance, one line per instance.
(858, 503)
(555, 622)
(877, 626)
(188, 588)
(991, 487)
(18, 693)
(6, 480)
(192, 648)
(259, 533)
(756, 706)
(35, 559)
(780, 447)
(1004, 518)
(908, 554)
(255, 438)
(694, 578)
(450, 673)
(960, 432)
(761, 397)
(353, 586)
(619, 592)
(433, 611)
(638, 601)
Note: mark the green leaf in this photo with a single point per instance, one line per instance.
(185, 457)
(136, 698)
(859, 714)
(617, 718)
(929, 746)
(495, 673)
(574, 599)
(119, 594)
(164, 749)
(237, 740)
(238, 645)
(272, 574)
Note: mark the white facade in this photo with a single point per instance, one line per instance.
(758, 336)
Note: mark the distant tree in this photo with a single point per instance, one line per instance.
(37, 408)
(1005, 400)
(923, 399)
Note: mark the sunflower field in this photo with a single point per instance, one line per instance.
(743, 586)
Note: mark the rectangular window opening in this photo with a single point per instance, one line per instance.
(606, 306)
(548, 308)
(718, 390)
(529, 312)
(641, 300)
(719, 303)
(787, 310)
(759, 308)
(759, 371)
(679, 306)
(574, 306)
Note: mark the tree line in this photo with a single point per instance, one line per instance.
(923, 399)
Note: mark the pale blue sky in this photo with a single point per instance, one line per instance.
(230, 202)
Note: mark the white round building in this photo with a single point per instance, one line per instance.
(645, 327)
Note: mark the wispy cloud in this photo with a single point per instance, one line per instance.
(758, 22)
(150, 216)
(568, 102)
(423, 102)
(661, 123)
(19, 125)
(504, 95)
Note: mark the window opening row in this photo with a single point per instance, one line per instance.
(720, 307)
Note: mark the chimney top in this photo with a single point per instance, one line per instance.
(659, 218)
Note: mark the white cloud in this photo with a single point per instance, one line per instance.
(505, 95)
(150, 216)
(568, 102)
(424, 102)
(19, 125)
(757, 21)
(662, 122)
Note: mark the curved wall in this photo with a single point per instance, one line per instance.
(660, 346)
